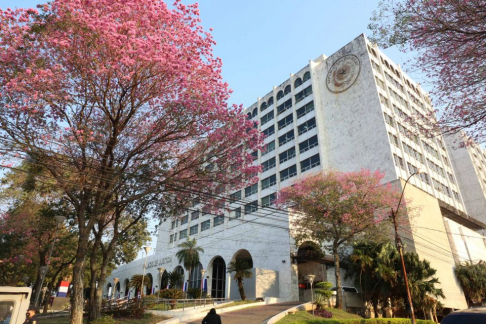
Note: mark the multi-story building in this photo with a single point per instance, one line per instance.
(469, 161)
(349, 111)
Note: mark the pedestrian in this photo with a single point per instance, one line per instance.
(30, 317)
(212, 318)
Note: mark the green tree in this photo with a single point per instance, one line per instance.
(473, 280)
(241, 270)
(188, 254)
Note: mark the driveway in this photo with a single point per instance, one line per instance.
(250, 315)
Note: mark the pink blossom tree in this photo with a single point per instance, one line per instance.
(449, 40)
(333, 208)
(121, 101)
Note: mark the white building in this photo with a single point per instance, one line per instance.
(346, 112)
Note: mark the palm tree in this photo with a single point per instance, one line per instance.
(188, 255)
(473, 280)
(136, 282)
(242, 271)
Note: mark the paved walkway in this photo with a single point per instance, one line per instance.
(251, 315)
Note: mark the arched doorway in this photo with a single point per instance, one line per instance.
(127, 288)
(244, 255)
(164, 281)
(310, 261)
(148, 284)
(218, 282)
(117, 290)
(195, 277)
(108, 291)
(180, 282)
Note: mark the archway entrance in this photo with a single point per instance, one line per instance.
(245, 256)
(148, 284)
(310, 261)
(218, 282)
(164, 281)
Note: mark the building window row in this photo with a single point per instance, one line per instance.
(304, 110)
(303, 94)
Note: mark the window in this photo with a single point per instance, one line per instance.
(235, 196)
(285, 138)
(267, 165)
(251, 207)
(310, 163)
(251, 190)
(287, 90)
(285, 121)
(298, 83)
(280, 95)
(308, 144)
(305, 109)
(195, 215)
(283, 107)
(287, 155)
(236, 213)
(307, 76)
(269, 131)
(398, 161)
(270, 147)
(205, 225)
(193, 229)
(270, 101)
(308, 125)
(184, 220)
(268, 182)
(268, 200)
(304, 93)
(171, 239)
(182, 234)
(265, 119)
(263, 106)
(218, 220)
(288, 173)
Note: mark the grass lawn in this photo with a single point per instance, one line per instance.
(148, 319)
(302, 317)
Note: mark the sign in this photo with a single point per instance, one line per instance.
(159, 262)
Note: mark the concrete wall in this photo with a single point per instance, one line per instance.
(430, 241)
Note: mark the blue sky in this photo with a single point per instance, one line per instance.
(262, 42)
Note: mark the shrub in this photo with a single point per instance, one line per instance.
(104, 320)
(323, 313)
(172, 293)
(195, 292)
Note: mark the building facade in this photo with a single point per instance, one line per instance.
(345, 112)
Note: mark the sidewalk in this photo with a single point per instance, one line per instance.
(251, 315)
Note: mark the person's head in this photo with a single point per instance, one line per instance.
(212, 311)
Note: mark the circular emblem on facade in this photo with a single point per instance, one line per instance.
(343, 73)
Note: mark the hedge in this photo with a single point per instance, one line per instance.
(368, 321)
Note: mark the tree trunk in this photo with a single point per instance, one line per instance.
(241, 289)
(78, 279)
(339, 293)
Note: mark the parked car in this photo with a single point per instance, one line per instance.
(466, 316)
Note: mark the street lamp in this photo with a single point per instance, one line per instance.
(43, 269)
(147, 250)
(398, 242)
(310, 278)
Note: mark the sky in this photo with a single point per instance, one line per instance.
(262, 42)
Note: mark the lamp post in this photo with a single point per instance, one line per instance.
(398, 242)
(203, 272)
(310, 278)
(147, 250)
(43, 269)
